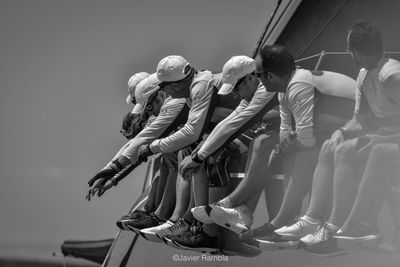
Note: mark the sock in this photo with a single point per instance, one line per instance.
(310, 220)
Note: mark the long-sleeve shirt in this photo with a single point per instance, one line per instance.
(243, 117)
(202, 101)
(173, 113)
(297, 104)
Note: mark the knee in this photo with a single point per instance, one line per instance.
(345, 151)
(263, 144)
(385, 151)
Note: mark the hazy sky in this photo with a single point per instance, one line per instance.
(64, 66)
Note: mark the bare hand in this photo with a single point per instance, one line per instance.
(336, 139)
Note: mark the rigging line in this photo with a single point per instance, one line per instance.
(323, 28)
(276, 23)
(261, 38)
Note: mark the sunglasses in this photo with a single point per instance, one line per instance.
(260, 74)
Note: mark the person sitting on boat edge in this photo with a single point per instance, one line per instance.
(373, 132)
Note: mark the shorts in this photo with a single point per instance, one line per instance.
(221, 164)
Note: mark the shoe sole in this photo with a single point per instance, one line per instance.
(217, 216)
(136, 230)
(203, 219)
(169, 242)
(150, 236)
(286, 245)
(121, 224)
(200, 249)
(348, 243)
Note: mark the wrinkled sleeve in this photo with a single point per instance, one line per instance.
(302, 102)
(235, 123)
(155, 129)
(191, 131)
(286, 118)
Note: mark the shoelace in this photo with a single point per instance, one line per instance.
(178, 225)
(300, 223)
(322, 232)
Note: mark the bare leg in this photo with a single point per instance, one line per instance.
(322, 186)
(383, 168)
(150, 205)
(299, 185)
(345, 182)
(252, 184)
(166, 207)
(182, 195)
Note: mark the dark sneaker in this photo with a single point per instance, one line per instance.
(145, 222)
(361, 236)
(264, 231)
(196, 239)
(168, 241)
(177, 228)
(134, 215)
(231, 245)
(276, 242)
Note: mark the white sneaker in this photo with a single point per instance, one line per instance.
(202, 214)
(174, 229)
(237, 219)
(298, 230)
(151, 233)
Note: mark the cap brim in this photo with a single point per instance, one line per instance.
(226, 88)
(138, 109)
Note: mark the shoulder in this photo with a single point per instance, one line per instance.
(389, 69)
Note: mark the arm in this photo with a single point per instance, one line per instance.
(302, 99)
(242, 118)
(191, 131)
(167, 121)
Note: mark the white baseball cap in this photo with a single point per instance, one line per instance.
(172, 68)
(132, 83)
(234, 69)
(144, 90)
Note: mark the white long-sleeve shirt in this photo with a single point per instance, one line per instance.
(242, 118)
(173, 113)
(202, 102)
(297, 104)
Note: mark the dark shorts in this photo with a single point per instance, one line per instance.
(221, 164)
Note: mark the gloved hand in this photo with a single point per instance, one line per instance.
(107, 173)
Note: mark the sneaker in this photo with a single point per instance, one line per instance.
(275, 242)
(322, 234)
(361, 236)
(321, 242)
(237, 219)
(174, 229)
(202, 214)
(196, 239)
(263, 231)
(168, 241)
(231, 245)
(151, 233)
(298, 230)
(145, 222)
(134, 215)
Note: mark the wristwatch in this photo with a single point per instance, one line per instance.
(195, 158)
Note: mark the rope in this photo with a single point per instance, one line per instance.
(323, 28)
(264, 32)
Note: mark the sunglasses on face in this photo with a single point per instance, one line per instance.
(261, 74)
